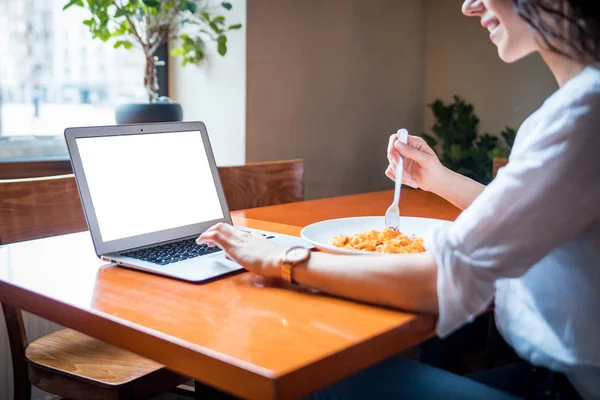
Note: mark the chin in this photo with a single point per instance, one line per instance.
(510, 54)
(507, 57)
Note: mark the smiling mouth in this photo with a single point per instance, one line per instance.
(492, 28)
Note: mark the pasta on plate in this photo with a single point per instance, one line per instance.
(384, 241)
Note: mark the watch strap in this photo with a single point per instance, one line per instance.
(287, 265)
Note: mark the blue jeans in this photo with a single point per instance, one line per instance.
(398, 378)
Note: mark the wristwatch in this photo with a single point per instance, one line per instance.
(292, 257)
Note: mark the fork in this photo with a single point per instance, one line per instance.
(392, 215)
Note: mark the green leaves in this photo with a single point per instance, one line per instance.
(192, 49)
(463, 150)
(190, 6)
(222, 45)
(122, 12)
(125, 43)
(152, 3)
(509, 134)
(73, 3)
(178, 52)
(149, 23)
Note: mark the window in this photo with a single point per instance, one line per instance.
(53, 75)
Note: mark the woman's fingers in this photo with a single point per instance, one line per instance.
(390, 172)
(411, 152)
(420, 144)
(213, 238)
(407, 180)
(396, 149)
(392, 154)
(220, 235)
(391, 142)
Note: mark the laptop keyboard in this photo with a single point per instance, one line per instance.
(172, 252)
(175, 251)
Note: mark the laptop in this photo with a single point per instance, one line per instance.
(148, 191)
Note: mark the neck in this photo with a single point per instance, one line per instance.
(562, 68)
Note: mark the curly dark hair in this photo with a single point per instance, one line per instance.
(567, 27)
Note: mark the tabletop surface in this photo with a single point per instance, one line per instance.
(241, 334)
(413, 203)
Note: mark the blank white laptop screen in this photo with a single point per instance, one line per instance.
(148, 182)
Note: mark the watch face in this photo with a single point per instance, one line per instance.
(297, 255)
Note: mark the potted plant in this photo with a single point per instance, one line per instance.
(148, 24)
(464, 150)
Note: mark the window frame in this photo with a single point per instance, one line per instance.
(28, 167)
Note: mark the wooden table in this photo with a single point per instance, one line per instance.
(413, 203)
(236, 334)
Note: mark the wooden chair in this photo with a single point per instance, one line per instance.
(263, 183)
(39, 207)
(497, 164)
(66, 363)
(35, 208)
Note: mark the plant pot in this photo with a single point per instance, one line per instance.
(139, 113)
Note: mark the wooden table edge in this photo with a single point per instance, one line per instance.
(216, 369)
(355, 358)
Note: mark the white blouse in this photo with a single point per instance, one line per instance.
(531, 241)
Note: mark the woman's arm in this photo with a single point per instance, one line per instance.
(406, 281)
(457, 189)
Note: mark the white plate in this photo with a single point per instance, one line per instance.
(319, 233)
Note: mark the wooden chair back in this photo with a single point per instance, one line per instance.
(39, 207)
(35, 208)
(31, 209)
(497, 164)
(263, 183)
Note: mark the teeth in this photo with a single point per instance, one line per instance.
(492, 26)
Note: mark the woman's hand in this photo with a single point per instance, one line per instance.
(250, 250)
(422, 168)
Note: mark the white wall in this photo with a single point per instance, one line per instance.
(215, 92)
(460, 59)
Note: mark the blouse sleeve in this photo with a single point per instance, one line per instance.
(548, 192)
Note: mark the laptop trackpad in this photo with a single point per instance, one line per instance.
(204, 268)
(224, 266)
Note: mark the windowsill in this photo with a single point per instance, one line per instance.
(32, 148)
(34, 167)
(16, 160)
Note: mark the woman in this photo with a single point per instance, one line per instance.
(530, 241)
